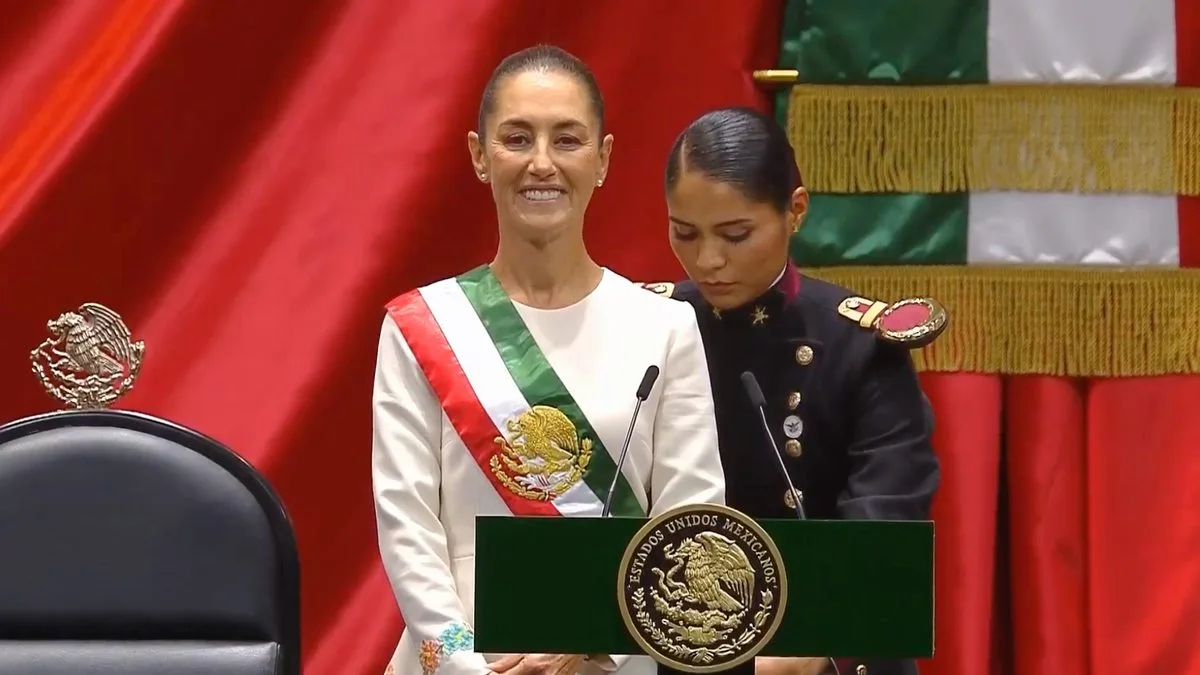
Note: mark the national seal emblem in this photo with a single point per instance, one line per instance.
(702, 588)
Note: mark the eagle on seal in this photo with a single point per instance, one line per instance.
(711, 564)
(96, 340)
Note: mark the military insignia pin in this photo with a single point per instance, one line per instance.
(702, 588)
(912, 322)
(89, 361)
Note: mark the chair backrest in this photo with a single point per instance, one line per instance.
(132, 545)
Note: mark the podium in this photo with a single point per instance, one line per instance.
(676, 587)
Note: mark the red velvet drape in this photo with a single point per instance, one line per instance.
(248, 182)
(1105, 515)
(967, 441)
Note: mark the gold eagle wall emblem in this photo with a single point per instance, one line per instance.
(90, 359)
(702, 588)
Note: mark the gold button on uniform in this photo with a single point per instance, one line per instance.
(861, 670)
(804, 355)
(793, 400)
(789, 498)
(792, 448)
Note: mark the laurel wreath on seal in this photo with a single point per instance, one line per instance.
(93, 391)
(547, 493)
(701, 655)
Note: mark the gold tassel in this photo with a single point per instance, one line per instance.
(997, 137)
(1013, 320)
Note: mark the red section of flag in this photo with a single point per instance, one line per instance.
(1187, 60)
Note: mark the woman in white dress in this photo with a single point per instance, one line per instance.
(540, 338)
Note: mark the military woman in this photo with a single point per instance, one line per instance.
(842, 397)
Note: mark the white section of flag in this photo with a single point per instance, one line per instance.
(1077, 41)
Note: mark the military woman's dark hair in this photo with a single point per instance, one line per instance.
(547, 58)
(740, 147)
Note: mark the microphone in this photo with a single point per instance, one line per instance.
(643, 393)
(750, 383)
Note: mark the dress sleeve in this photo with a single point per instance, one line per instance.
(894, 472)
(687, 460)
(406, 476)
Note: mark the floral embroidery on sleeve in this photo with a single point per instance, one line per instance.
(430, 655)
(456, 638)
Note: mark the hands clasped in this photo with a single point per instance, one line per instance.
(537, 664)
(776, 665)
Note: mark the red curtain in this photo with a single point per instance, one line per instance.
(967, 440)
(1105, 517)
(248, 183)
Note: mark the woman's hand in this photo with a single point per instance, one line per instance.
(539, 664)
(781, 665)
(505, 663)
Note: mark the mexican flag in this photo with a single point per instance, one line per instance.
(1042, 155)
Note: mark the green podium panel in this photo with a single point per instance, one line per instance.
(854, 588)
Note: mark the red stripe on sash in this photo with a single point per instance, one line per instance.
(450, 384)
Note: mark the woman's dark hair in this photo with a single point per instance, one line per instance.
(546, 58)
(740, 147)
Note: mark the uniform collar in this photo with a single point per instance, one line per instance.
(768, 307)
(788, 282)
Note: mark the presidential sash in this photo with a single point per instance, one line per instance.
(514, 415)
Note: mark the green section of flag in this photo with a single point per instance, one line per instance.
(913, 229)
(917, 42)
(885, 42)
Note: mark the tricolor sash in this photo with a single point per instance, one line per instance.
(513, 413)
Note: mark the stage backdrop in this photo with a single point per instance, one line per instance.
(1035, 165)
(249, 182)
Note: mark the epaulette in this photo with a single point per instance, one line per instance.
(911, 323)
(663, 288)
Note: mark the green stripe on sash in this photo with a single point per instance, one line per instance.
(538, 382)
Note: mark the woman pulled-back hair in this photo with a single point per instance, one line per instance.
(843, 401)
(474, 369)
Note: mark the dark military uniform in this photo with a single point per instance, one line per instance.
(845, 408)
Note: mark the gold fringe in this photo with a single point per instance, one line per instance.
(1048, 321)
(1028, 138)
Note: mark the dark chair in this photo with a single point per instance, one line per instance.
(133, 546)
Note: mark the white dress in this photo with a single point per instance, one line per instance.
(429, 487)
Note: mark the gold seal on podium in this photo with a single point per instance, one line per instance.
(89, 361)
(702, 588)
